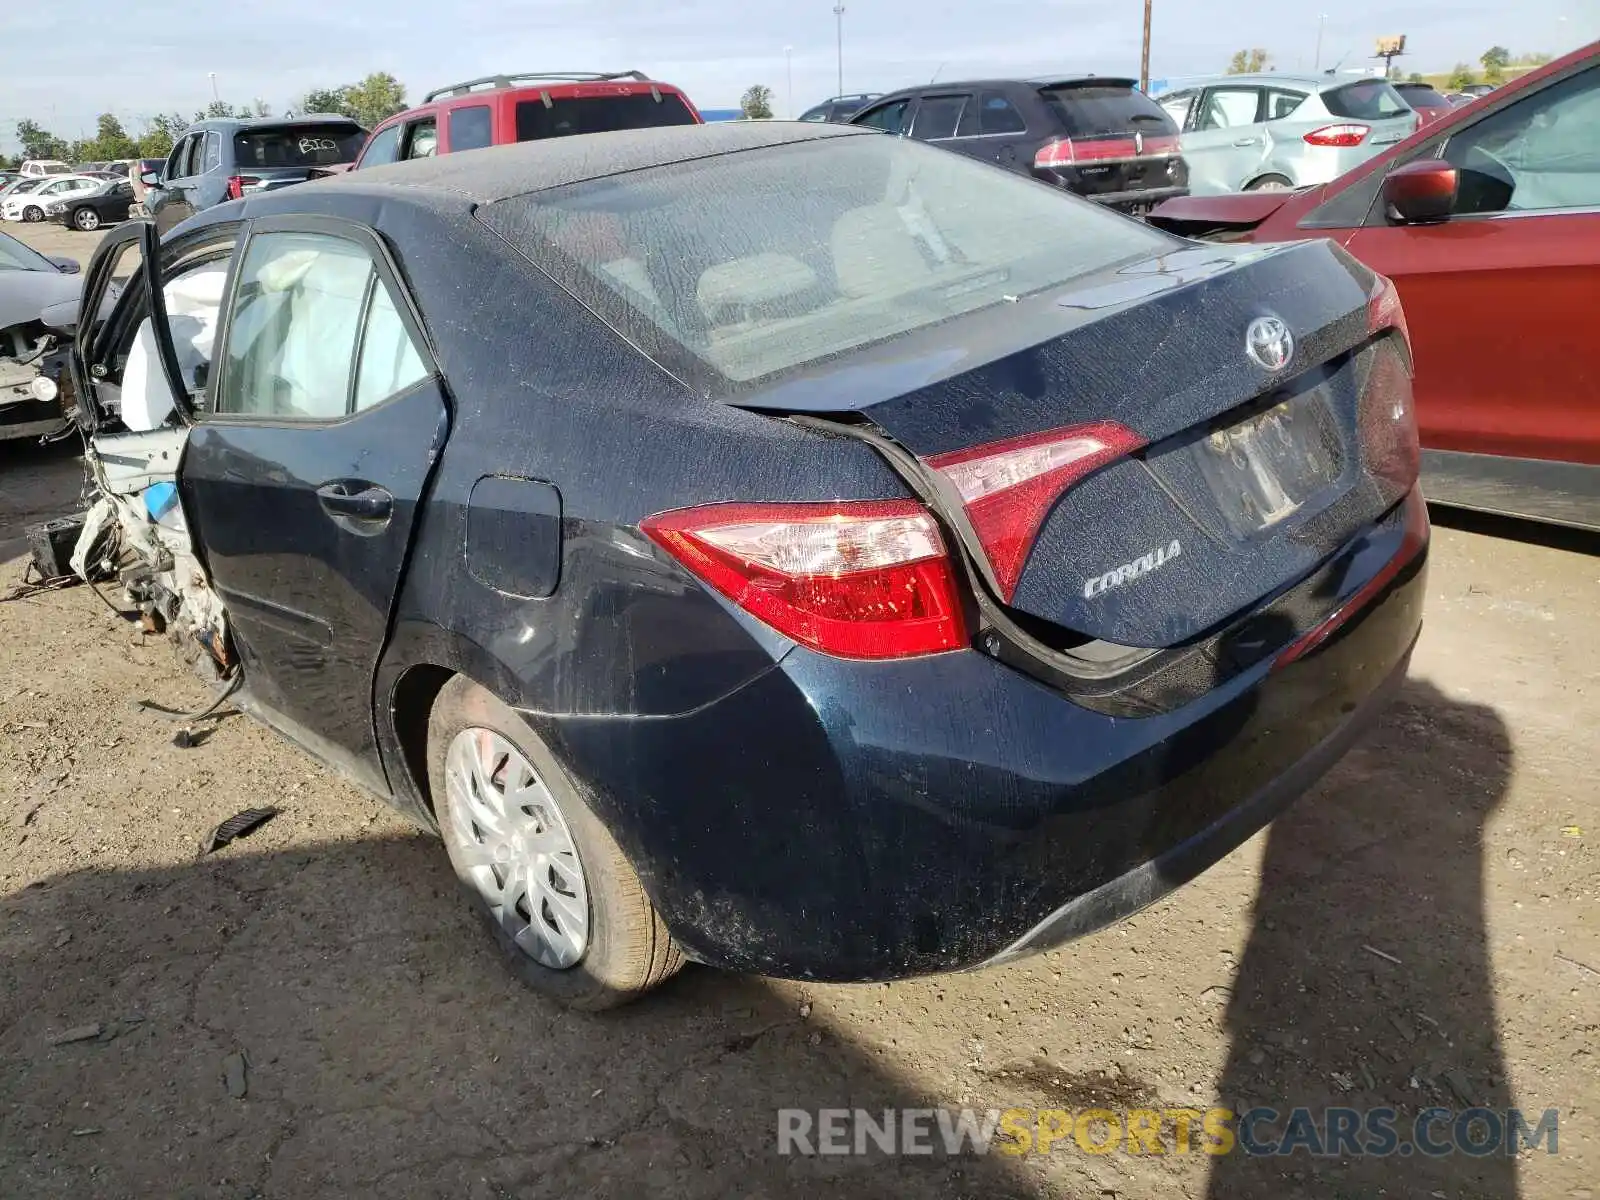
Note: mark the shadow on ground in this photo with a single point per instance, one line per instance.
(36, 483)
(1366, 981)
(389, 1054)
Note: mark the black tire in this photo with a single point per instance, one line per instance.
(629, 950)
(85, 220)
(32, 213)
(1270, 183)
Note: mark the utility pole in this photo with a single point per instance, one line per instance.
(1144, 55)
(788, 63)
(838, 13)
(1322, 20)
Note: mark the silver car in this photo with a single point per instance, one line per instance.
(1275, 131)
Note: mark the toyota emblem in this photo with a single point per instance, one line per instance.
(1269, 343)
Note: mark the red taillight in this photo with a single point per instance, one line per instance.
(1338, 135)
(1064, 152)
(238, 183)
(1412, 541)
(856, 579)
(1008, 488)
(1387, 413)
(1055, 154)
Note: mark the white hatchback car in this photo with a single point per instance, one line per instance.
(30, 206)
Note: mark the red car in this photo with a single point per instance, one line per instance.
(499, 110)
(1488, 221)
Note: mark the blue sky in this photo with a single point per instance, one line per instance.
(62, 69)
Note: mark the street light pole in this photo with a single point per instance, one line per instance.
(1144, 55)
(788, 65)
(216, 98)
(1322, 20)
(838, 12)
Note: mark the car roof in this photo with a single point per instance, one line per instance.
(500, 172)
(1039, 84)
(1317, 83)
(247, 123)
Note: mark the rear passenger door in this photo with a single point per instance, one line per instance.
(322, 420)
(989, 127)
(891, 117)
(1225, 142)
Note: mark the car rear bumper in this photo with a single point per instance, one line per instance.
(855, 821)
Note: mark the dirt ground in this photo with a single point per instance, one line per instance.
(1420, 930)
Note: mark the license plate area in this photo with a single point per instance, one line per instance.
(1271, 466)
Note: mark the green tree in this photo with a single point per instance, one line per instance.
(1416, 77)
(376, 98)
(1495, 60)
(324, 100)
(1532, 60)
(756, 103)
(1461, 76)
(38, 143)
(110, 141)
(1248, 62)
(160, 134)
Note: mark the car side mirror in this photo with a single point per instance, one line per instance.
(150, 178)
(1422, 191)
(67, 266)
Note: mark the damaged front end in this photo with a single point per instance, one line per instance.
(36, 394)
(136, 428)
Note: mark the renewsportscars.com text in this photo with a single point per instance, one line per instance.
(1328, 1132)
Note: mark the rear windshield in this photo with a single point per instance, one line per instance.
(598, 114)
(1371, 100)
(754, 263)
(1421, 93)
(299, 146)
(1089, 110)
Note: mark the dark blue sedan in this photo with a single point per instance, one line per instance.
(778, 546)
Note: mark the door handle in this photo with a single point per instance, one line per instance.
(1247, 142)
(355, 499)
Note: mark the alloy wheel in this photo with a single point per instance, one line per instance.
(32, 213)
(86, 219)
(510, 841)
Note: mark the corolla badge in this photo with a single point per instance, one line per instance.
(1154, 560)
(1269, 343)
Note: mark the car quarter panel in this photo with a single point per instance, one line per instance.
(545, 394)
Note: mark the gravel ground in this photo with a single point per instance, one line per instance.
(313, 1010)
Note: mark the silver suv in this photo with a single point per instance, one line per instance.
(1273, 131)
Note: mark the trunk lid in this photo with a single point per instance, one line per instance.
(1236, 479)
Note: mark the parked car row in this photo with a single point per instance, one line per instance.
(829, 439)
(1488, 221)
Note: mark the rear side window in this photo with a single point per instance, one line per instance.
(938, 116)
(309, 337)
(469, 128)
(598, 114)
(740, 266)
(1369, 100)
(298, 146)
(213, 152)
(1088, 110)
(422, 139)
(1281, 104)
(991, 113)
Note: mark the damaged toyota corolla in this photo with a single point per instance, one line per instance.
(781, 547)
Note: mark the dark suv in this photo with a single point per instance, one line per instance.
(225, 159)
(499, 110)
(839, 108)
(1099, 137)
